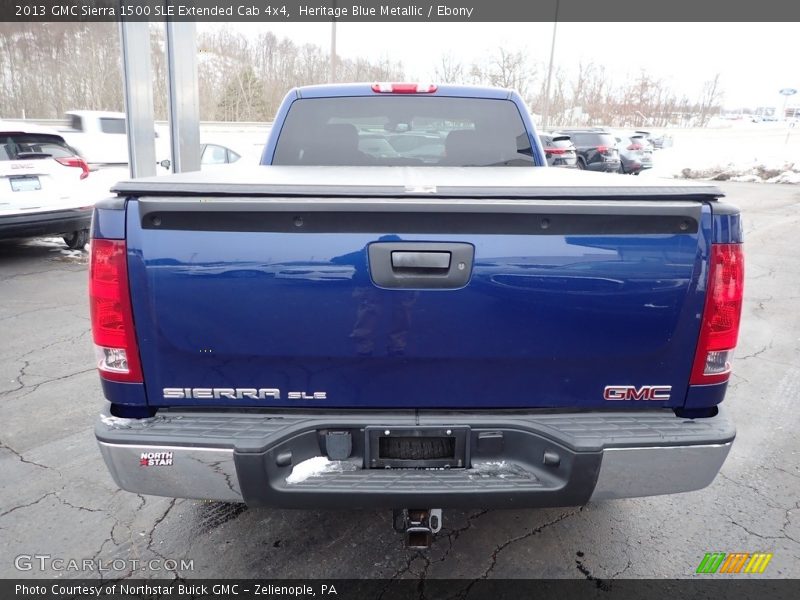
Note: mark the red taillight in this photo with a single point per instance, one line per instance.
(112, 319)
(635, 147)
(719, 330)
(75, 161)
(556, 151)
(404, 88)
(602, 149)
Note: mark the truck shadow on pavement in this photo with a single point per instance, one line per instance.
(352, 544)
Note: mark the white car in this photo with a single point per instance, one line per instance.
(42, 185)
(213, 154)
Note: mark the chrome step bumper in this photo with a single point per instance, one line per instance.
(531, 459)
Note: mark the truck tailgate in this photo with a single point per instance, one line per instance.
(247, 301)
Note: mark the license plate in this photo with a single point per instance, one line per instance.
(417, 447)
(28, 183)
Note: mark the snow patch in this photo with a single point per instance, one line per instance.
(316, 466)
(787, 177)
(122, 423)
(490, 466)
(758, 154)
(498, 469)
(72, 253)
(48, 242)
(56, 245)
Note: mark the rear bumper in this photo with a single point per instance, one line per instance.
(515, 459)
(45, 223)
(604, 166)
(635, 166)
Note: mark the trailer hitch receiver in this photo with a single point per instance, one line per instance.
(418, 525)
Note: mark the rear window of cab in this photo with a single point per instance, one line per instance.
(403, 130)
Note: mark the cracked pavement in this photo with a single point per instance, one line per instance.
(58, 498)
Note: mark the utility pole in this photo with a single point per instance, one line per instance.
(546, 107)
(333, 47)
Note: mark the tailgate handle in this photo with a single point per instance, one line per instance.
(420, 260)
(420, 265)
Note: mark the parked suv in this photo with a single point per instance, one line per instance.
(40, 185)
(635, 153)
(657, 141)
(559, 150)
(596, 148)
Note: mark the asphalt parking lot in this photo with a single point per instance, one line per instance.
(58, 499)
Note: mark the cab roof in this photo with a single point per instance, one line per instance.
(335, 90)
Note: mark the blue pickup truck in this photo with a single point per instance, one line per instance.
(404, 308)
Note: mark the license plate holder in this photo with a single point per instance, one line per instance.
(416, 447)
(25, 183)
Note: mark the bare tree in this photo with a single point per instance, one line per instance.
(77, 65)
(450, 70)
(244, 78)
(710, 99)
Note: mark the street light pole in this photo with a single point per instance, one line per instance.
(333, 46)
(546, 107)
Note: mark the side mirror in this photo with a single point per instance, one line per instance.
(165, 163)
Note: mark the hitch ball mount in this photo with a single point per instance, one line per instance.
(418, 525)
